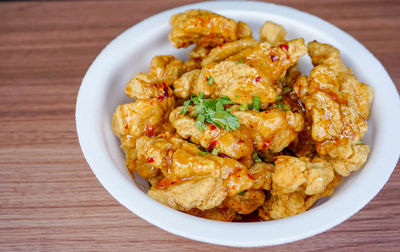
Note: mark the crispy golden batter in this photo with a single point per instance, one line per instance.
(217, 213)
(281, 205)
(324, 54)
(243, 30)
(260, 138)
(179, 160)
(262, 174)
(166, 68)
(252, 72)
(358, 95)
(245, 202)
(301, 174)
(226, 50)
(204, 193)
(203, 28)
(272, 33)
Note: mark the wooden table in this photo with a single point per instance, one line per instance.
(49, 198)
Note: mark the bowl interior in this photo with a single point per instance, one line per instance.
(156, 43)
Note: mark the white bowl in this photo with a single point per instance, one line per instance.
(102, 90)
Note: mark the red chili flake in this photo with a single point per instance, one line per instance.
(212, 127)
(274, 58)
(275, 158)
(284, 46)
(149, 130)
(184, 44)
(249, 175)
(220, 45)
(254, 146)
(241, 141)
(266, 144)
(160, 98)
(125, 125)
(258, 78)
(165, 89)
(212, 145)
(150, 160)
(223, 155)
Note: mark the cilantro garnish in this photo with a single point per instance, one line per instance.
(203, 153)
(184, 111)
(241, 61)
(243, 107)
(279, 98)
(213, 111)
(241, 193)
(287, 90)
(256, 158)
(256, 102)
(283, 107)
(359, 142)
(210, 80)
(215, 151)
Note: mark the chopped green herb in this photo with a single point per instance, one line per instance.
(287, 90)
(184, 111)
(256, 102)
(213, 111)
(359, 142)
(279, 98)
(256, 158)
(210, 80)
(186, 103)
(243, 107)
(242, 193)
(215, 151)
(203, 153)
(283, 107)
(240, 61)
(237, 96)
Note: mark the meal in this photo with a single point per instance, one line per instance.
(237, 132)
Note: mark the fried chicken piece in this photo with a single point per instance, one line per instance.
(198, 53)
(226, 50)
(281, 205)
(141, 118)
(183, 85)
(336, 125)
(272, 33)
(297, 174)
(358, 95)
(272, 129)
(226, 142)
(245, 202)
(204, 193)
(143, 86)
(180, 160)
(358, 157)
(243, 30)
(166, 68)
(217, 213)
(203, 28)
(324, 54)
(252, 72)
(262, 174)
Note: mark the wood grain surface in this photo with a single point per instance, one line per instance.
(49, 198)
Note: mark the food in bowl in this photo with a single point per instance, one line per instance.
(237, 133)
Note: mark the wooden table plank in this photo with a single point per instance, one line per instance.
(51, 201)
